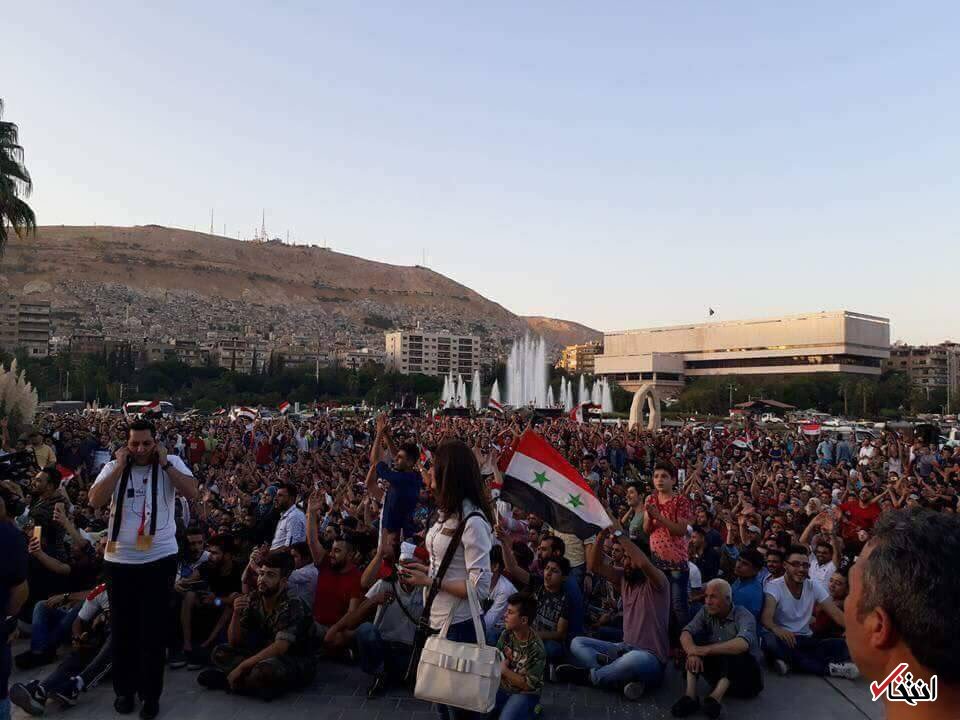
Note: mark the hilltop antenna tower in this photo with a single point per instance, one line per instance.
(263, 226)
(211, 221)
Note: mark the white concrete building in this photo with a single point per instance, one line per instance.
(821, 342)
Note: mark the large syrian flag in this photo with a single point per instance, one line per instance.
(538, 479)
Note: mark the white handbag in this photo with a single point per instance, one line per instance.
(464, 675)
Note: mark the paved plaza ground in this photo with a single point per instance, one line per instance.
(339, 693)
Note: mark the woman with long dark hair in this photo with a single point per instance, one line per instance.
(458, 492)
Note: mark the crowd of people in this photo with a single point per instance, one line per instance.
(255, 551)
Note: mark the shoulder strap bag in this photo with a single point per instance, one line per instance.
(423, 626)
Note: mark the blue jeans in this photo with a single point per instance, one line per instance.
(461, 632)
(515, 706)
(6, 665)
(554, 650)
(578, 573)
(49, 627)
(379, 656)
(492, 634)
(810, 655)
(634, 665)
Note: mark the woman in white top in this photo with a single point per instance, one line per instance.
(458, 492)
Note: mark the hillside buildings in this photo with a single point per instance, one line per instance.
(821, 342)
(428, 353)
(579, 358)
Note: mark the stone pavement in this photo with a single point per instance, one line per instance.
(339, 693)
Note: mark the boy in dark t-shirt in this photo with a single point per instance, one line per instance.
(403, 480)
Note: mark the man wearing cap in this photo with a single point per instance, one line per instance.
(386, 643)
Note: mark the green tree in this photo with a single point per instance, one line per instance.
(15, 185)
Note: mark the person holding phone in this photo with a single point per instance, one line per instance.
(140, 485)
(454, 479)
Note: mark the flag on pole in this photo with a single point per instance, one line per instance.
(283, 407)
(711, 311)
(538, 479)
(494, 405)
(580, 411)
(244, 413)
(811, 429)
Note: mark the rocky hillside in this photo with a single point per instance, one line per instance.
(561, 332)
(159, 282)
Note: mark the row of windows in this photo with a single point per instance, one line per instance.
(784, 362)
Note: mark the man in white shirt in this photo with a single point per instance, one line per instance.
(500, 590)
(789, 603)
(292, 527)
(140, 485)
(823, 561)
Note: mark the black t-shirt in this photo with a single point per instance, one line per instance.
(13, 569)
(223, 585)
(551, 607)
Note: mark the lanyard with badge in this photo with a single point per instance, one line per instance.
(144, 539)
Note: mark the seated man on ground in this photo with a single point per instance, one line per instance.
(385, 645)
(787, 611)
(639, 661)
(204, 613)
(524, 663)
(748, 587)
(267, 651)
(87, 663)
(722, 646)
(339, 589)
(501, 589)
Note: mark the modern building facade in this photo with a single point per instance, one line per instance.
(579, 358)
(414, 351)
(821, 342)
(25, 324)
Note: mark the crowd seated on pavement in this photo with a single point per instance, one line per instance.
(725, 558)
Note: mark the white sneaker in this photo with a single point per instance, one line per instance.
(781, 667)
(843, 670)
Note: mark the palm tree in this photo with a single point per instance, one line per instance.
(15, 184)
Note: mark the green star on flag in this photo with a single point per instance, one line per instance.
(575, 501)
(540, 478)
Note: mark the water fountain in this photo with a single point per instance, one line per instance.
(475, 391)
(527, 373)
(495, 391)
(606, 403)
(582, 396)
(596, 394)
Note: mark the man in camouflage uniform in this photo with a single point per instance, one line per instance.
(268, 650)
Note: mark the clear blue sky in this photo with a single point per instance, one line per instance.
(619, 164)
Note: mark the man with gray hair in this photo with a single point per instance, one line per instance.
(721, 645)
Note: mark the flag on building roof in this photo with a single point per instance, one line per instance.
(283, 407)
(494, 405)
(538, 479)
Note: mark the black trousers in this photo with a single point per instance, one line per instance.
(139, 603)
(743, 672)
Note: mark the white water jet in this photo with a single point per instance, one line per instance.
(551, 398)
(475, 391)
(445, 395)
(606, 403)
(582, 396)
(527, 372)
(495, 391)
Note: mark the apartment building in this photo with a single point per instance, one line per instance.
(929, 367)
(579, 358)
(414, 351)
(25, 324)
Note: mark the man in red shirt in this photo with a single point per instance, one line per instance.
(196, 447)
(859, 514)
(338, 591)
